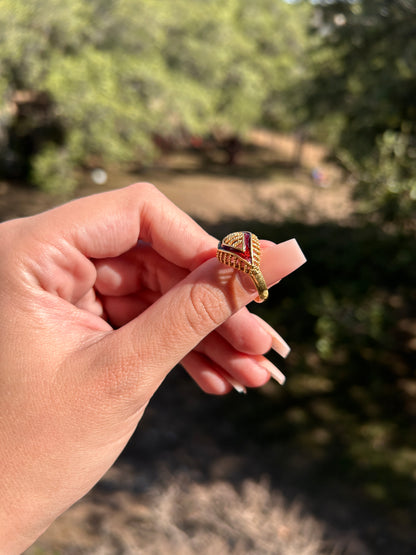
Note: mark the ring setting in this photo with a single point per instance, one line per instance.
(241, 250)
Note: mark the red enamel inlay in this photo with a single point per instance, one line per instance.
(244, 254)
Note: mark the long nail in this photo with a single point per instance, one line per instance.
(273, 371)
(236, 385)
(278, 343)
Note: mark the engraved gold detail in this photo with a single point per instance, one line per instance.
(241, 250)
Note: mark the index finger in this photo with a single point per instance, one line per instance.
(108, 224)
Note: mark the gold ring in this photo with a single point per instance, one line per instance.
(241, 250)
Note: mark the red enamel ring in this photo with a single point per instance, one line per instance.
(241, 250)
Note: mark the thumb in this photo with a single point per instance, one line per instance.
(137, 357)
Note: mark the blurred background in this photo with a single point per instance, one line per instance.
(291, 119)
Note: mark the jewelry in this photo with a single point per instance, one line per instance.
(241, 250)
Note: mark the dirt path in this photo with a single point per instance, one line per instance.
(274, 198)
(262, 186)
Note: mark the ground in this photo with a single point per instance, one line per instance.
(195, 477)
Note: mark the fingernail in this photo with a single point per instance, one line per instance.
(273, 371)
(281, 260)
(236, 385)
(278, 343)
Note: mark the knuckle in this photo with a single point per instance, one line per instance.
(143, 187)
(12, 243)
(205, 310)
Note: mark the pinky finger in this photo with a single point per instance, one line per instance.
(209, 376)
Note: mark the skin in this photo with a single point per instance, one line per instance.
(100, 299)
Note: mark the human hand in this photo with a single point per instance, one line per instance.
(73, 388)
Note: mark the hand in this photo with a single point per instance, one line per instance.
(73, 388)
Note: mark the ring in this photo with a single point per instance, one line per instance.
(241, 250)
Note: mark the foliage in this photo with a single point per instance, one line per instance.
(386, 182)
(118, 73)
(364, 90)
(52, 170)
(349, 400)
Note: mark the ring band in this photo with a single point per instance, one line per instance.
(241, 250)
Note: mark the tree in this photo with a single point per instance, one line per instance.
(116, 73)
(364, 90)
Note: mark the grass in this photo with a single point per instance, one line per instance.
(187, 518)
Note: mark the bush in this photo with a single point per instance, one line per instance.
(386, 182)
(52, 171)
